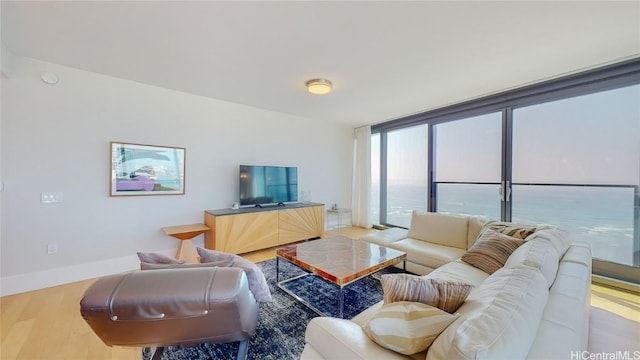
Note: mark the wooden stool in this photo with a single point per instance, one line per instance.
(185, 233)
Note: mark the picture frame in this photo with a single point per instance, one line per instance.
(142, 170)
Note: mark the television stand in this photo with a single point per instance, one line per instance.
(256, 228)
(268, 206)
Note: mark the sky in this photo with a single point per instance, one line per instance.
(590, 139)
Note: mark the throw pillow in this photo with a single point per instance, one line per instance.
(156, 258)
(407, 327)
(154, 266)
(491, 250)
(518, 231)
(257, 282)
(445, 295)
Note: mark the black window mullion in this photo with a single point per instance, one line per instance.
(432, 186)
(636, 227)
(507, 165)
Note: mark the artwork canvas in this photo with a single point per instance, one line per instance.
(138, 169)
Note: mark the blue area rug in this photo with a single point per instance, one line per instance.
(282, 322)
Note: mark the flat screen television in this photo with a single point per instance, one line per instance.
(268, 185)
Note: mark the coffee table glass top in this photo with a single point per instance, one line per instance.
(339, 259)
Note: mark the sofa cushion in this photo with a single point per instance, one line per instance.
(537, 254)
(152, 266)
(518, 231)
(333, 338)
(445, 295)
(427, 254)
(565, 321)
(157, 258)
(491, 251)
(386, 237)
(560, 239)
(499, 319)
(442, 229)
(257, 282)
(580, 253)
(407, 327)
(476, 223)
(459, 270)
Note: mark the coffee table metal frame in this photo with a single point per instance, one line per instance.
(395, 257)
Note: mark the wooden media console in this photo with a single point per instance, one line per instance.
(249, 229)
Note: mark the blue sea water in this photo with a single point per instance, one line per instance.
(602, 216)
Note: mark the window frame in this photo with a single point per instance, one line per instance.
(608, 77)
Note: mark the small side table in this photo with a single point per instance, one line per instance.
(339, 213)
(185, 233)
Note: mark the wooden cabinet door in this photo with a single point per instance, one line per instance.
(300, 224)
(242, 233)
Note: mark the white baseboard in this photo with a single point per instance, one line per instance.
(16, 284)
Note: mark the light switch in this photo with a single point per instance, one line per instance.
(51, 197)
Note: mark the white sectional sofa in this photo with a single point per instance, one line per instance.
(535, 307)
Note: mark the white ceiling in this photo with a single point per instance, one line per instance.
(385, 59)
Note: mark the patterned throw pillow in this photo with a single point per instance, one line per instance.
(445, 295)
(517, 231)
(156, 258)
(154, 266)
(407, 327)
(491, 250)
(257, 282)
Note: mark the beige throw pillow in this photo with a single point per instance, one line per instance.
(445, 295)
(407, 327)
(518, 231)
(491, 250)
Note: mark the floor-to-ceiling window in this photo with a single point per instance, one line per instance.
(564, 152)
(576, 164)
(406, 174)
(468, 156)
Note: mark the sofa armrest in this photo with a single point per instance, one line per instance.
(386, 237)
(332, 338)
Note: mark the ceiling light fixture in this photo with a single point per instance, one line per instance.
(49, 78)
(319, 86)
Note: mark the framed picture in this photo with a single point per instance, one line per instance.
(138, 169)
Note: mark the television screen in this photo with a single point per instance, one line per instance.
(268, 185)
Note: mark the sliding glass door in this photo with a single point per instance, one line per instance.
(468, 166)
(406, 175)
(576, 164)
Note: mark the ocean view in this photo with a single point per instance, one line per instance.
(604, 217)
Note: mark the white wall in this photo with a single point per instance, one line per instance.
(55, 138)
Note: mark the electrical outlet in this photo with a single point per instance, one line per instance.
(52, 248)
(51, 197)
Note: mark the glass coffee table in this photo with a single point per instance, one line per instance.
(337, 259)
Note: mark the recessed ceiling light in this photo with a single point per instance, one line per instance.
(319, 86)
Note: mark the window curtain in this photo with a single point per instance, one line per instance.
(361, 185)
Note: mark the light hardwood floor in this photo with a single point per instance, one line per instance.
(46, 324)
